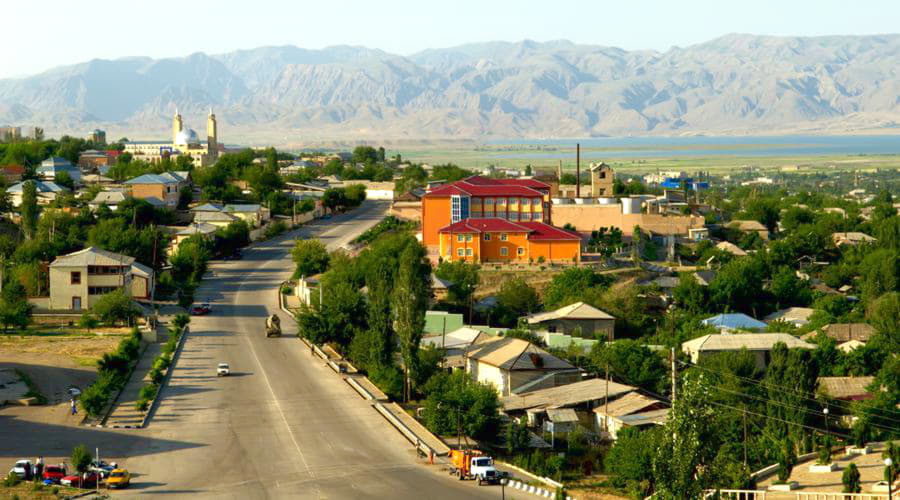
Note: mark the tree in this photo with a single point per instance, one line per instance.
(737, 285)
(189, 261)
(379, 280)
(516, 298)
(114, 307)
(880, 271)
(409, 304)
(850, 479)
(681, 466)
(632, 363)
(81, 458)
(311, 257)
(517, 437)
(690, 294)
(631, 460)
(355, 194)
(232, 237)
(88, 321)
(791, 374)
(575, 284)
(463, 278)
(888, 233)
(334, 199)
(364, 154)
(449, 172)
(65, 180)
(15, 311)
(185, 196)
(788, 289)
(457, 399)
(29, 209)
(763, 210)
(884, 315)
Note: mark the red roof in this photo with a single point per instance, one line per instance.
(536, 230)
(112, 153)
(485, 186)
(485, 225)
(541, 231)
(531, 183)
(13, 169)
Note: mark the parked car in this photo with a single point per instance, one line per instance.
(118, 478)
(201, 309)
(22, 469)
(54, 473)
(74, 391)
(76, 481)
(223, 370)
(102, 468)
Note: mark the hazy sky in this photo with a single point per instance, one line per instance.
(41, 34)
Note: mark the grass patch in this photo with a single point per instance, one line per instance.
(36, 491)
(86, 362)
(33, 391)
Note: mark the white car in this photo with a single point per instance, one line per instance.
(223, 370)
(20, 468)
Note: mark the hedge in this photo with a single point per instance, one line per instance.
(112, 374)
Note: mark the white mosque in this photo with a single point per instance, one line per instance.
(185, 141)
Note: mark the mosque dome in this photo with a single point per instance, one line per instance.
(186, 137)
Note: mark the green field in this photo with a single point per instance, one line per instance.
(482, 156)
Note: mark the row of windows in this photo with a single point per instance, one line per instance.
(105, 269)
(512, 216)
(504, 252)
(487, 237)
(502, 201)
(101, 290)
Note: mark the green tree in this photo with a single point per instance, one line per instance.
(15, 311)
(690, 294)
(457, 399)
(463, 278)
(185, 197)
(791, 373)
(632, 363)
(334, 199)
(364, 154)
(88, 321)
(884, 315)
(379, 280)
(851, 479)
(763, 210)
(232, 237)
(880, 272)
(311, 257)
(888, 233)
(65, 180)
(449, 172)
(81, 458)
(575, 284)
(409, 304)
(788, 289)
(515, 298)
(190, 260)
(29, 209)
(630, 460)
(115, 307)
(517, 437)
(738, 286)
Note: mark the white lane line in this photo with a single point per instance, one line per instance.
(280, 410)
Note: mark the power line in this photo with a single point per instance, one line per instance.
(804, 394)
(779, 419)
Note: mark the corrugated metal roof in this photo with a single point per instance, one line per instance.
(632, 402)
(733, 321)
(213, 217)
(791, 314)
(845, 387)
(565, 395)
(577, 310)
(562, 415)
(749, 341)
(152, 179)
(653, 417)
(541, 231)
(509, 353)
(92, 256)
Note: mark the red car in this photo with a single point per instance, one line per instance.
(54, 473)
(201, 309)
(76, 481)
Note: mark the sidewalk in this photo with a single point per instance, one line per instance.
(124, 414)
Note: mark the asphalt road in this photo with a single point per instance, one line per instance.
(282, 425)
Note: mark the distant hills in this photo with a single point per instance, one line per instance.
(736, 84)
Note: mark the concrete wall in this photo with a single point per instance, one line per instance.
(587, 218)
(590, 328)
(407, 210)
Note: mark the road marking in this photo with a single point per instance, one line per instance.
(280, 411)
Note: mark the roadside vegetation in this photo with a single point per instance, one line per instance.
(112, 374)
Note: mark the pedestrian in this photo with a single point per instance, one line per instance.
(39, 468)
(74, 407)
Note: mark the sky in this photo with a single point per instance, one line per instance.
(42, 34)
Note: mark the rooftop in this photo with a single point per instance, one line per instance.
(733, 321)
(633, 402)
(485, 186)
(565, 395)
(749, 341)
(507, 353)
(578, 310)
(92, 256)
(153, 179)
(846, 387)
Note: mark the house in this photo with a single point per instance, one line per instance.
(760, 344)
(849, 345)
(111, 199)
(630, 410)
(476, 197)
(254, 214)
(797, 316)
(194, 229)
(851, 238)
(514, 365)
(582, 396)
(53, 166)
(440, 288)
(846, 388)
(500, 240)
(96, 179)
(164, 187)
(437, 322)
(734, 321)
(578, 319)
(727, 246)
(47, 191)
(750, 226)
(218, 219)
(12, 174)
(455, 345)
(602, 180)
(91, 159)
(845, 332)
(79, 279)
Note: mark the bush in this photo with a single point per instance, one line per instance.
(156, 376)
(11, 480)
(115, 307)
(181, 320)
(81, 458)
(389, 379)
(142, 405)
(850, 479)
(149, 391)
(274, 229)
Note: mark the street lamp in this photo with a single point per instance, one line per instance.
(825, 411)
(888, 463)
(503, 482)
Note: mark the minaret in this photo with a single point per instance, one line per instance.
(177, 126)
(212, 143)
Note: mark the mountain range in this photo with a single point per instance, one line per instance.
(735, 84)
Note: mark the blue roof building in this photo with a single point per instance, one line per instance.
(734, 321)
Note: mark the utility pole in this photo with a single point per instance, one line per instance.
(745, 434)
(606, 400)
(443, 340)
(674, 374)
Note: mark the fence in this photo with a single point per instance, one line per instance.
(798, 495)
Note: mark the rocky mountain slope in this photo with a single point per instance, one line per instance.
(731, 85)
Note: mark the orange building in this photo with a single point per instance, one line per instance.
(499, 240)
(515, 200)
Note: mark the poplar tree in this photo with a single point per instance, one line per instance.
(409, 304)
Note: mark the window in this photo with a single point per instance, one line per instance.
(460, 251)
(468, 237)
(460, 238)
(459, 208)
(503, 237)
(520, 251)
(524, 202)
(504, 251)
(536, 201)
(101, 290)
(469, 252)
(489, 201)
(75, 278)
(514, 216)
(487, 236)
(536, 216)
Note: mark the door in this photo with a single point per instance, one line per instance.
(76, 303)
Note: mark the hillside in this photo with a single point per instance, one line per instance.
(736, 84)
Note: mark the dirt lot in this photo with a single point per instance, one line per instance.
(55, 362)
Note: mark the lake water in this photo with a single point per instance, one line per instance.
(796, 145)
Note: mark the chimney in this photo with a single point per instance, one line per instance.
(578, 170)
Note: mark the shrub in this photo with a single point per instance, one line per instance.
(850, 479)
(11, 480)
(181, 320)
(81, 458)
(156, 376)
(141, 405)
(149, 391)
(94, 398)
(274, 229)
(115, 307)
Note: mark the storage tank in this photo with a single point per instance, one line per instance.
(605, 200)
(584, 201)
(562, 201)
(631, 205)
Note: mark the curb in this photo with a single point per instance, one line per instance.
(151, 411)
(546, 480)
(404, 430)
(534, 490)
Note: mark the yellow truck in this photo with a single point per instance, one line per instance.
(473, 464)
